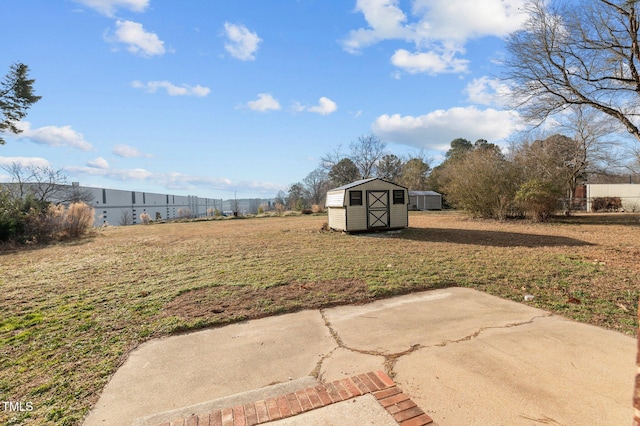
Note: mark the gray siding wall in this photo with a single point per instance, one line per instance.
(426, 202)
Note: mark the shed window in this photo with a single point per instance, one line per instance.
(398, 196)
(355, 198)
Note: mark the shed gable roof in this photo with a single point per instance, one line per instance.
(423, 193)
(363, 181)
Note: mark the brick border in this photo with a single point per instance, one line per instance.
(636, 393)
(377, 383)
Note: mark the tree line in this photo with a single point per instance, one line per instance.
(366, 158)
(534, 177)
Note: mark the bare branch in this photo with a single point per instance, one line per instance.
(585, 56)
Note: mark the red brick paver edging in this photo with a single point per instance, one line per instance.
(377, 383)
(636, 393)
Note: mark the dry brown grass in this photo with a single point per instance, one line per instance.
(72, 311)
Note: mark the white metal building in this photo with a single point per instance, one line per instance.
(368, 204)
(121, 207)
(629, 194)
(425, 200)
(115, 206)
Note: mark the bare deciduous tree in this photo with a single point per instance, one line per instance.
(634, 166)
(315, 184)
(45, 184)
(126, 217)
(330, 159)
(584, 54)
(565, 161)
(365, 154)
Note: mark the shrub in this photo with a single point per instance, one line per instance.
(306, 211)
(483, 183)
(34, 221)
(608, 204)
(185, 213)
(43, 224)
(145, 218)
(316, 208)
(11, 216)
(126, 217)
(78, 220)
(280, 208)
(538, 198)
(260, 210)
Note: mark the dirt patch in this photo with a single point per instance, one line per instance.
(226, 303)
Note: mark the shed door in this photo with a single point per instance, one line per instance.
(377, 209)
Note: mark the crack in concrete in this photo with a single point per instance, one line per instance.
(391, 359)
(316, 371)
(482, 329)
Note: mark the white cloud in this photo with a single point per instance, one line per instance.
(25, 161)
(126, 151)
(435, 130)
(98, 163)
(386, 21)
(172, 89)
(325, 106)
(138, 41)
(487, 91)
(175, 180)
(109, 7)
(462, 19)
(118, 174)
(265, 102)
(429, 62)
(53, 136)
(264, 187)
(439, 29)
(242, 44)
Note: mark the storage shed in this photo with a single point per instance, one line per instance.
(368, 204)
(425, 200)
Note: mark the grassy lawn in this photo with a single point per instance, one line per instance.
(72, 312)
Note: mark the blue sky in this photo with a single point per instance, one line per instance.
(210, 98)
